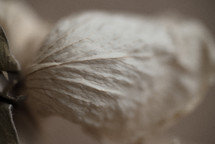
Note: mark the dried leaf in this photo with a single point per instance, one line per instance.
(8, 134)
(7, 61)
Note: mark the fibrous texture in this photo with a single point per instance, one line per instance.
(121, 77)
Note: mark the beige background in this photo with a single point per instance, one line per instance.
(199, 127)
(54, 9)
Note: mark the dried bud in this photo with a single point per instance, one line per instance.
(121, 77)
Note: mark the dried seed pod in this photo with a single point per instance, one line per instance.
(24, 29)
(121, 77)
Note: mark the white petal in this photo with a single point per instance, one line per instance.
(122, 77)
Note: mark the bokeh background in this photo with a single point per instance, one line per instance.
(55, 9)
(199, 127)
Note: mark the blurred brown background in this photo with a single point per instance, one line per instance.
(199, 127)
(55, 9)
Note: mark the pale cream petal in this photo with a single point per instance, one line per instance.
(121, 77)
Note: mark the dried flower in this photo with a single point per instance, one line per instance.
(121, 77)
